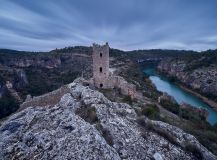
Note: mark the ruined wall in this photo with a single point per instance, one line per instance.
(101, 76)
(100, 65)
(47, 99)
(125, 87)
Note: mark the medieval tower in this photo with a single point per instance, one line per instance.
(101, 65)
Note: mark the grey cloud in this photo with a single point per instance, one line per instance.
(125, 24)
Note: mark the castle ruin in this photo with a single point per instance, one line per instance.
(102, 78)
(101, 65)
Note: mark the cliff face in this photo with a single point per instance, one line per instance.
(47, 71)
(47, 61)
(202, 78)
(84, 124)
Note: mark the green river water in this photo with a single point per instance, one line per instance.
(164, 85)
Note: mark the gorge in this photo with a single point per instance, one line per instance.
(163, 84)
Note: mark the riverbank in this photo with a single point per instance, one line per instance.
(164, 84)
(206, 100)
(203, 98)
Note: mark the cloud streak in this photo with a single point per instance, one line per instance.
(126, 24)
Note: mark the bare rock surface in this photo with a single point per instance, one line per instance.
(111, 131)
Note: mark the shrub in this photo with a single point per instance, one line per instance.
(193, 149)
(151, 111)
(105, 133)
(189, 114)
(128, 99)
(206, 137)
(88, 114)
(8, 104)
(172, 107)
(167, 135)
(141, 121)
(215, 127)
(146, 124)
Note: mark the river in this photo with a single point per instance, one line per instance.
(164, 85)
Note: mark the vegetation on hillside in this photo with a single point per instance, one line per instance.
(8, 104)
(189, 121)
(42, 80)
(193, 123)
(48, 80)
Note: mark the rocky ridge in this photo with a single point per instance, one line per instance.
(84, 124)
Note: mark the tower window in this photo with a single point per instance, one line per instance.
(100, 54)
(100, 69)
(101, 85)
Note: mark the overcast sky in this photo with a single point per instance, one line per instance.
(41, 25)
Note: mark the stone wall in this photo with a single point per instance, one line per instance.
(102, 78)
(116, 82)
(100, 65)
(46, 99)
(125, 87)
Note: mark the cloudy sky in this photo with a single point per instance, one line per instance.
(41, 25)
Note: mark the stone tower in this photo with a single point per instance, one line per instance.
(101, 65)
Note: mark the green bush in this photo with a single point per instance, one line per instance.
(128, 99)
(186, 113)
(215, 127)
(151, 111)
(105, 133)
(88, 114)
(193, 149)
(8, 105)
(206, 137)
(189, 114)
(205, 133)
(150, 90)
(43, 80)
(172, 107)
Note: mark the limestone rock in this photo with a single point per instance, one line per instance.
(64, 131)
(157, 156)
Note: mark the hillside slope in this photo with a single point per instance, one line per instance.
(197, 71)
(84, 124)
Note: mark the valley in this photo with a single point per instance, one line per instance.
(33, 74)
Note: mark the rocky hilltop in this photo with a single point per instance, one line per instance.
(77, 122)
(198, 73)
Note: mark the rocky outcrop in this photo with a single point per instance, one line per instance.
(46, 60)
(74, 60)
(13, 92)
(32, 60)
(202, 78)
(177, 136)
(84, 124)
(20, 79)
